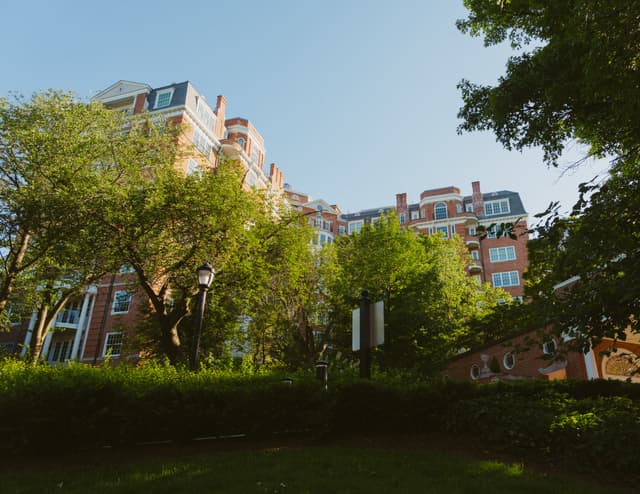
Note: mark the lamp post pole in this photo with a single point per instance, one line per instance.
(205, 277)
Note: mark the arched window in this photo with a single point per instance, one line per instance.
(440, 211)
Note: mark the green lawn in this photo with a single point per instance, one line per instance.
(296, 470)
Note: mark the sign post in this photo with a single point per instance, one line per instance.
(367, 331)
(365, 336)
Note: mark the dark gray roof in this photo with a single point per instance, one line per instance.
(515, 205)
(179, 95)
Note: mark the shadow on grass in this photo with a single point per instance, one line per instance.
(295, 470)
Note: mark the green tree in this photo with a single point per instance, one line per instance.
(598, 248)
(575, 77)
(165, 224)
(54, 152)
(430, 301)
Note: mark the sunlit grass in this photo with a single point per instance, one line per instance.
(293, 470)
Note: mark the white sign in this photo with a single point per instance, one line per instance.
(376, 318)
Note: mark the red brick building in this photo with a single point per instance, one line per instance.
(92, 326)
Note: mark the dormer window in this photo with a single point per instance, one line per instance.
(163, 98)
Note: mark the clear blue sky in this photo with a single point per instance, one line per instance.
(356, 99)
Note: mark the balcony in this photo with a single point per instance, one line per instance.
(68, 318)
(475, 268)
(472, 244)
(231, 148)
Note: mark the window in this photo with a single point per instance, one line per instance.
(242, 142)
(402, 218)
(341, 229)
(468, 207)
(474, 372)
(163, 98)
(500, 254)
(112, 345)
(202, 142)
(453, 230)
(207, 117)
(443, 229)
(60, 351)
(492, 208)
(70, 314)
(256, 154)
(506, 278)
(440, 211)
(355, 226)
(126, 268)
(549, 347)
(415, 215)
(509, 361)
(6, 349)
(492, 232)
(121, 302)
(474, 255)
(193, 167)
(458, 208)
(319, 221)
(423, 213)
(472, 231)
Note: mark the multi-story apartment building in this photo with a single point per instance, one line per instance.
(324, 217)
(496, 257)
(90, 328)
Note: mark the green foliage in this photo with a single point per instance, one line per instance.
(598, 243)
(579, 423)
(574, 75)
(430, 301)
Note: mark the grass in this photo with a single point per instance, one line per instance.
(295, 470)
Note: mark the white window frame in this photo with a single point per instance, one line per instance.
(505, 279)
(116, 303)
(500, 206)
(438, 210)
(469, 207)
(502, 254)
(402, 218)
(415, 215)
(110, 344)
(509, 360)
(355, 226)
(202, 142)
(205, 114)
(341, 230)
(160, 94)
(193, 167)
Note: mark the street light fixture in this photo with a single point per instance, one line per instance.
(205, 278)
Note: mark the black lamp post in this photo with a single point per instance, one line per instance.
(205, 277)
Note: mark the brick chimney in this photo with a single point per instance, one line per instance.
(401, 203)
(221, 106)
(276, 177)
(476, 198)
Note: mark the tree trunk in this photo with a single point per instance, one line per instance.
(170, 341)
(13, 269)
(39, 332)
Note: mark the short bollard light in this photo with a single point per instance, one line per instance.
(322, 367)
(287, 380)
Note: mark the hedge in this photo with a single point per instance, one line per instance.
(586, 424)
